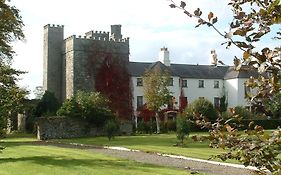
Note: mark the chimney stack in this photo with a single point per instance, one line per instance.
(164, 56)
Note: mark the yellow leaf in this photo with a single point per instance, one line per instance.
(246, 55)
(210, 16)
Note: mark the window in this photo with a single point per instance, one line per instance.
(171, 82)
(184, 83)
(139, 101)
(201, 84)
(216, 84)
(139, 81)
(217, 102)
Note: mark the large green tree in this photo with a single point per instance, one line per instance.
(156, 91)
(10, 29)
(11, 25)
(252, 21)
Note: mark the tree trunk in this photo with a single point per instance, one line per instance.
(157, 122)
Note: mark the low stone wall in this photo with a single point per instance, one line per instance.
(64, 127)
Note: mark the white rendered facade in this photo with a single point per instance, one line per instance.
(231, 86)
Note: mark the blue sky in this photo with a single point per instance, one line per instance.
(149, 24)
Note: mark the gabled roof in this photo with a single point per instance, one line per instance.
(138, 69)
(242, 73)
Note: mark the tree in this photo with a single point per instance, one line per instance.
(156, 91)
(38, 92)
(252, 21)
(203, 107)
(11, 29)
(182, 128)
(11, 95)
(48, 105)
(273, 105)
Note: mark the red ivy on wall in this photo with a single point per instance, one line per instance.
(113, 81)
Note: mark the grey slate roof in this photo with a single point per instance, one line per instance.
(137, 69)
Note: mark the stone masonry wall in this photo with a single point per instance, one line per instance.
(59, 127)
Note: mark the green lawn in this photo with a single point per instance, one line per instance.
(24, 158)
(162, 143)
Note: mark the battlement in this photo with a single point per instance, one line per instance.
(53, 26)
(96, 36)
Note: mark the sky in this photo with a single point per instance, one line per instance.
(150, 24)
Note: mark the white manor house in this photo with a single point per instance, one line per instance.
(191, 82)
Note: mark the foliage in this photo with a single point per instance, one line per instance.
(38, 92)
(11, 29)
(248, 27)
(156, 91)
(147, 127)
(202, 107)
(112, 127)
(113, 81)
(90, 106)
(244, 113)
(274, 105)
(11, 96)
(182, 128)
(47, 106)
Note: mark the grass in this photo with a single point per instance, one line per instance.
(23, 157)
(162, 143)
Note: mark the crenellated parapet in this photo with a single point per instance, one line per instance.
(53, 26)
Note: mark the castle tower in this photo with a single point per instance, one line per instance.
(52, 58)
(164, 56)
(116, 32)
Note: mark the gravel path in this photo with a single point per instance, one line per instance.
(193, 165)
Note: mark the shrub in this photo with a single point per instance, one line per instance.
(90, 106)
(112, 127)
(244, 113)
(47, 106)
(147, 127)
(182, 128)
(203, 107)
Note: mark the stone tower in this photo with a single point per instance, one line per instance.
(70, 64)
(52, 59)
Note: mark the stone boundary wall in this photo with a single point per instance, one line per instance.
(59, 127)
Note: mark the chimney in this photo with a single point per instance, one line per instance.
(213, 57)
(164, 56)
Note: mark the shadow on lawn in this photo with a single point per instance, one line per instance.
(66, 162)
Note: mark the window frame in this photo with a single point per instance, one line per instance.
(139, 81)
(138, 101)
(184, 85)
(216, 84)
(201, 85)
